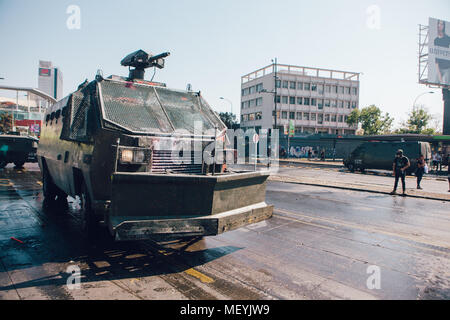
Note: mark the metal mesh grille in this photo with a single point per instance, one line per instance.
(79, 116)
(163, 163)
(183, 109)
(134, 107)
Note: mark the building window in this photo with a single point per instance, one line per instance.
(299, 116)
(284, 99)
(335, 89)
(306, 116)
(327, 103)
(291, 100)
(333, 103)
(327, 89)
(345, 118)
(313, 117)
(327, 118)
(252, 90)
(341, 90)
(258, 115)
(320, 118)
(278, 99)
(251, 117)
(340, 104)
(242, 105)
(259, 87)
(285, 84)
(314, 87)
(300, 85)
(259, 101)
(299, 100)
(306, 101)
(245, 92)
(333, 118)
(354, 91)
(278, 83)
(347, 90)
(245, 117)
(341, 118)
(292, 84)
(306, 86)
(292, 115)
(252, 103)
(353, 104)
(320, 88)
(313, 101)
(320, 103)
(347, 104)
(284, 115)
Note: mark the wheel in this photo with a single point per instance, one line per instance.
(54, 198)
(351, 167)
(3, 163)
(89, 219)
(19, 164)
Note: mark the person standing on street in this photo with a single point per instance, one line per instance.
(399, 166)
(420, 170)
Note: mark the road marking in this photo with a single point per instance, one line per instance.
(367, 229)
(197, 274)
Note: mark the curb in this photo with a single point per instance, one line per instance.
(432, 196)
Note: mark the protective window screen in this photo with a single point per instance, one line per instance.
(184, 109)
(133, 107)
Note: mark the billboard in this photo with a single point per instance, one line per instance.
(439, 52)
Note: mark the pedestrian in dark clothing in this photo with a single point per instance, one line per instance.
(420, 170)
(309, 154)
(399, 166)
(322, 155)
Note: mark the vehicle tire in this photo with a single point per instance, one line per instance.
(351, 167)
(54, 198)
(19, 164)
(89, 219)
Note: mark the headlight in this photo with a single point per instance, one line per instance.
(132, 156)
(126, 155)
(139, 156)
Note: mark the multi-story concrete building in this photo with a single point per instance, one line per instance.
(50, 80)
(314, 100)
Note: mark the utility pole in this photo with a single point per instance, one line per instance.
(275, 95)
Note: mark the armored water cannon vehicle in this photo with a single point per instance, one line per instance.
(138, 155)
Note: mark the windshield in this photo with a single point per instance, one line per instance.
(154, 109)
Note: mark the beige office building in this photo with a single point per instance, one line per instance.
(314, 100)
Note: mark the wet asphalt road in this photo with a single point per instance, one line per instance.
(318, 245)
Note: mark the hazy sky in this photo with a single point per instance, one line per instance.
(214, 43)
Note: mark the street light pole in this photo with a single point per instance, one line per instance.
(415, 100)
(275, 90)
(231, 103)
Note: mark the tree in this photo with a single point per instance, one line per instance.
(372, 121)
(229, 119)
(419, 121)
(5, 122)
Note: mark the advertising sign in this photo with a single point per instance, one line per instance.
(439, 52)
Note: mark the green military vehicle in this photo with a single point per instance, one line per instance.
(380, 155)
(115, 142)
(17, 149)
